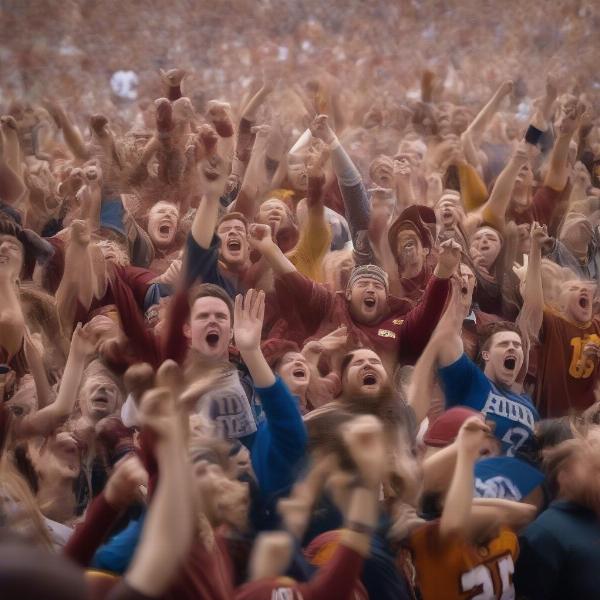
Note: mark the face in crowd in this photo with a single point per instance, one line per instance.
(210, 328)
(294, 371)
(162, 224)
(368, 300)
(410, 250)
(503, 357)
(234, 250)
(364, 374)
(487, 244)
(273, 212)
(11, 256)
(99, 396)
(577, 299)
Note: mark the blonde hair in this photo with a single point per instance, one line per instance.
(14, 487)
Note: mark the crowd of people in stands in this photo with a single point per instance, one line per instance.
(299, 301)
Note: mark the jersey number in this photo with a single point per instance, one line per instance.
(582, 367)
(481, 577)
(515, 438)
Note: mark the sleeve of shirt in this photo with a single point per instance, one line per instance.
(310, 300)
(544, 203)
(337, 578)
(87, 537)
(458, 380)
(201, 265)
(116, 554)
(539, 564)
(288, 433)
(279, 444)
(420, 322)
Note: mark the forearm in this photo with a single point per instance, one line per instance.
(205, 220)
(459, 500)
(277, 260)
(38, 372)
(499, 200)
(261, 373)
(485, 115)
(438, 470)
(532, 312)
(168, 528)
(420, 391)
(559, 170)
(73, 138)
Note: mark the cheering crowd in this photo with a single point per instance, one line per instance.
(314, 317)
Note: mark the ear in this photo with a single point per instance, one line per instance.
(426, 251)
(485, 355)
(187, 331)
(348, 294)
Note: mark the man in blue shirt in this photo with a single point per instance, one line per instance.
(496, 391)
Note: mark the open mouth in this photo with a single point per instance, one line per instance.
(464, 290)
(510, 362)
(212, 339)
(369, 379)
(299, 373)
(583, 302)
(369, 302)
(234, 245)
(3, 259)
(164, 229)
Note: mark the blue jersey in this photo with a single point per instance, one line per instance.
(465, 384)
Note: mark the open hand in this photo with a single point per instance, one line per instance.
(449, 256)
(248, 319)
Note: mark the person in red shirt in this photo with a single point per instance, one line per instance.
(411, 240)
(373, 318)
(569, 350)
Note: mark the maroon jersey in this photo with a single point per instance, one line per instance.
(566, 378)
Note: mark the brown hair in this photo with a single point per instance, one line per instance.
(488, 331)
(233, 216)
(210, 290)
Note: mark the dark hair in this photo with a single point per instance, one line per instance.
(233, 216)
(488, 331)
(210, 290)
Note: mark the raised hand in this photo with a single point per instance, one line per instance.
(248, 319)
(260, 238)
(84, 341)
(80, 233)
(320, 128)
(363, 438)
(127, 483)
(449, 256)
(315, 160)
(472, 436)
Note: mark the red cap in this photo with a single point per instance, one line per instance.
(443, 431)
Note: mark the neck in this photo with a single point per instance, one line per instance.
(56, 499)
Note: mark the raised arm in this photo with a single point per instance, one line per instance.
(169, 525)
(445, 346)
(480, 123)
(532, 312)
(421, 321)
(456, 515)
(77, 283)
(45, 420)
(260, 238)
(12, 320)
(559, 168)
(354, 194)
(72, 135)
(494, 210)
(205, 219)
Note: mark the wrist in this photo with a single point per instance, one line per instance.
(442, 272)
